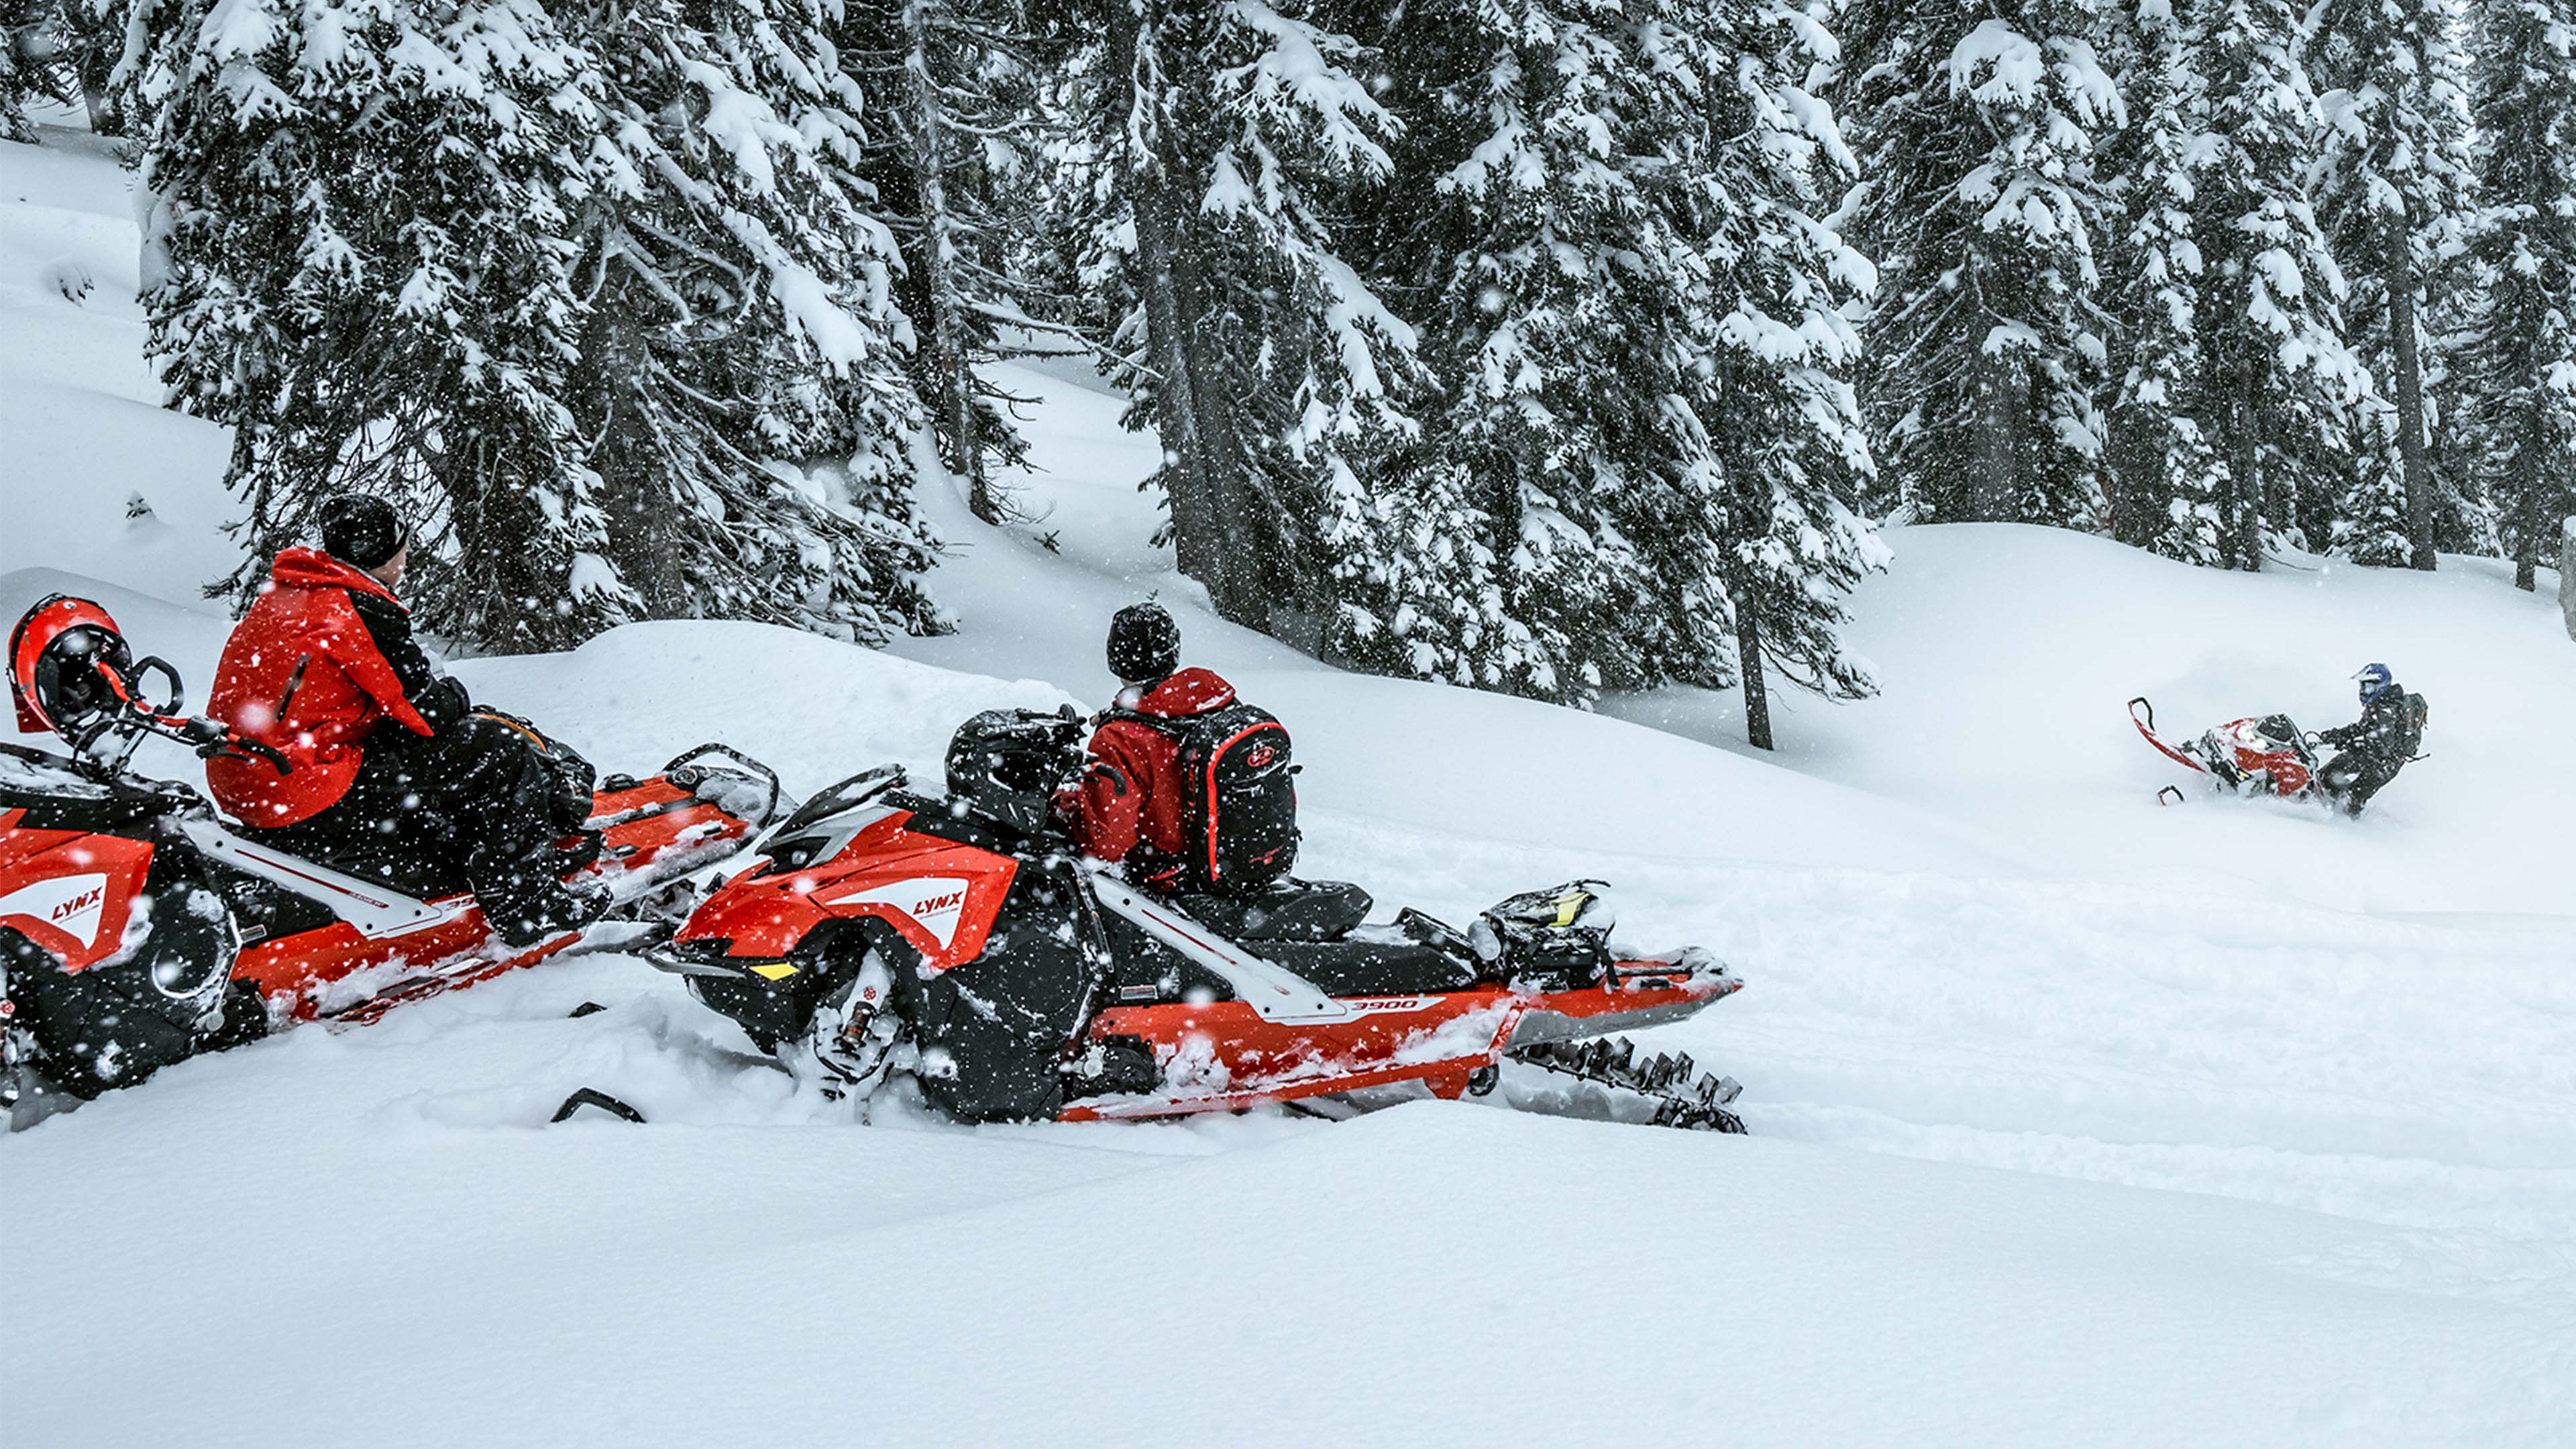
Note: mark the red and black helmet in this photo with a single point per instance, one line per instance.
(67, 667)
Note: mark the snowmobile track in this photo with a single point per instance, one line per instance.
(1667, 1080)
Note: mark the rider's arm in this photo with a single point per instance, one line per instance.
(1109, 800)
(381, 657)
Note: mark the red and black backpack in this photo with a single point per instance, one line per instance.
(1238, 798)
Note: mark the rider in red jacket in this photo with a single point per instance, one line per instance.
(391, 766)
(1130, 795)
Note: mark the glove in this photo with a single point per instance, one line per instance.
(444, 704)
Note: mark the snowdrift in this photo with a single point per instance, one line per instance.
(2077, 1120)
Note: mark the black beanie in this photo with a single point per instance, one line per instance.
(361, 530)
(1144, 643)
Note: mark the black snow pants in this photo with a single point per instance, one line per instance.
(2351, 778)
(470, 806)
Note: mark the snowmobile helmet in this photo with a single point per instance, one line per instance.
(361, 530)
(1006, 765)
(1144, 643)
(2375, 681)
(67, 659)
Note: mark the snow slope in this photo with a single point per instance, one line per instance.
(2078, 1121)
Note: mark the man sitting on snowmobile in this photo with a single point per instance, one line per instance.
(392, 765)
(1188, 786)
(2375, 747)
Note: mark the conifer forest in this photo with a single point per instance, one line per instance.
(1544, 346)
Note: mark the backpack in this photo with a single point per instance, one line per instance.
(1238, 798)
(2412, 712)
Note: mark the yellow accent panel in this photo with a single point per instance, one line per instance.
(774, 970)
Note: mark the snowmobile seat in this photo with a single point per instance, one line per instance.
(1375, 967)
(1290, 910)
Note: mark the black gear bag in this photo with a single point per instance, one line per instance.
(1238, 801)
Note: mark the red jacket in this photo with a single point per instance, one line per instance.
(1132, 791)
(323, 659)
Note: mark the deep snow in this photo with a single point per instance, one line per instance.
(2078, 1120)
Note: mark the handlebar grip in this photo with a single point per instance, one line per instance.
(275, 757)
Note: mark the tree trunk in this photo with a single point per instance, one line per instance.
(2245, 488)
(2526, 523)
(949, 361)
(632, 463)
(1204, 467)
(2410, 389)
(1757, 697)
(2567, 573)
(2000, 397)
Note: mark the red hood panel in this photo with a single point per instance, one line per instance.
(940, 896)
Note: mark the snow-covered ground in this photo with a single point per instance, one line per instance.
(2078, 1121)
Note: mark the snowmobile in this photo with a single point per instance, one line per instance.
(960, 942)
(138, 926)
(2254, 756)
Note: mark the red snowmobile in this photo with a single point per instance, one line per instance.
(962, 942)
(138, 926)
(2254, 756)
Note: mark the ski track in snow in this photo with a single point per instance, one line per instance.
(2076, 1121)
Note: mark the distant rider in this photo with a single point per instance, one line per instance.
(2372, 749)
(389, 757)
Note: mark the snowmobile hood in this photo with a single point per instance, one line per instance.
(311, 568)
(1192, 691)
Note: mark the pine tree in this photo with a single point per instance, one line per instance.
(1774, 285)
(1542, 275)
(1976, 136)
(1233, 138)
(2522, 347)
(2284, 393)
(352, 260)
(2171, 480)
(24, 44)
(2395, 198)
(953, 87)
(1640, 470)
(740, 324)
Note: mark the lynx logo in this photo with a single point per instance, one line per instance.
(1259, 755)
(934, 903)
(71, 904)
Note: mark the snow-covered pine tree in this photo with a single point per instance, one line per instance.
(2169, 478)
(1773, 286)
(26, 47)
(952, 89)
(1543, 275)
(1981, 203)
(2284, 393)
(1233, 136)
(740, 326)
(58, 50)
(2521, 357)
(353, 258)
(2395, 200)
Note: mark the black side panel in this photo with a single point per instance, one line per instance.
(774, 1012)
(993, 1032)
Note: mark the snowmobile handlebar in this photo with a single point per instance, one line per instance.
(137, 715)
(680, 764)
